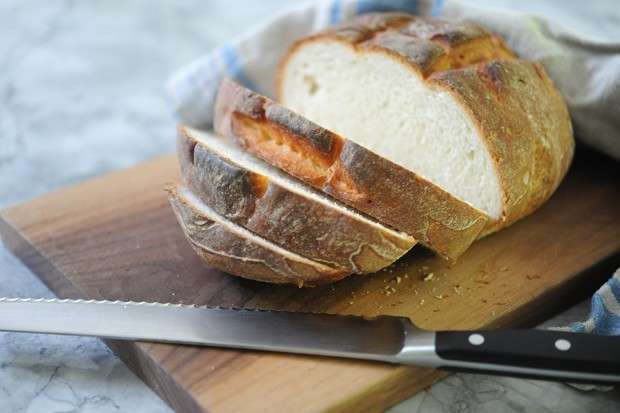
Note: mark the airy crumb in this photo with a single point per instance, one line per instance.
(398, 280)
(440, 296)
(422, 301)
(457, 289)
(428, 277)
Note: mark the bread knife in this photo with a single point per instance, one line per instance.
(537, 354)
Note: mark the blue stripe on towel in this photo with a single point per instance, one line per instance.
(614, 285)
(606, 321)
(437, 7)
(604, 311)
(603, 319)
(578, 327)
(335, 11)
(235, 68)
(366, 6)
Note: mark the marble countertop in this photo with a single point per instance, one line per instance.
(81, 94)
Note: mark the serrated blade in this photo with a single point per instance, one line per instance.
(308, 333)
(391, 339)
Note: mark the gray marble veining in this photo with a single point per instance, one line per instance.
(81, 94)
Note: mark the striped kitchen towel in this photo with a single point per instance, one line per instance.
(604, 318)
(605, 310)
(579, 49)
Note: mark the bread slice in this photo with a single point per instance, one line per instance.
(445, 99)
(390, 193)
(278, 208)
(234, 249)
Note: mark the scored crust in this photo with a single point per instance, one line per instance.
(393, 195)
(427, 45)
(292, 218)
(526, 127)
(514, 105)
(226, 246)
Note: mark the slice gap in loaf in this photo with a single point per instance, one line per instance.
(285, 210)
(234, 249)
(376, 102)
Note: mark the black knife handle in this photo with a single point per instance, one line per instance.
(543, 350)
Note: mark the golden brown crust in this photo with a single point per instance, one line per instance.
(519, 113)
(355, 175)
(293, 221)
(229, 190)
(226, 250)
(526, 127)
(425, 45)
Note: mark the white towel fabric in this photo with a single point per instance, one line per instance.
(578, 43)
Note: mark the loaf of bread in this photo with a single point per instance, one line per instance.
(447, 100)
(398, 129)
(347, 171)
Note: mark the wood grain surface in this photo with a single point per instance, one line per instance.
(115, 237)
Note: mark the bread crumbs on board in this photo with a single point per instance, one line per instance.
(428, 277)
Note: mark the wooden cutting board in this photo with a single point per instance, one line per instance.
(115, 237)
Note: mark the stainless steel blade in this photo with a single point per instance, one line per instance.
(347, 336)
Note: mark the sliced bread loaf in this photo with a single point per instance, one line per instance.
(233, 249)
(445, 99)
(390, 193)
(280, 209)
